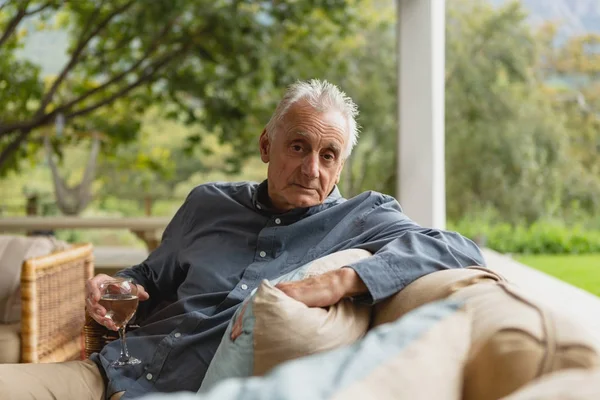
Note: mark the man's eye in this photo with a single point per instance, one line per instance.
(328, 157)
(296, 147)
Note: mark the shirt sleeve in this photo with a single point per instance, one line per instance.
(404, 251)
(160, 274)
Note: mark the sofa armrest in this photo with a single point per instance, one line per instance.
(52, 295)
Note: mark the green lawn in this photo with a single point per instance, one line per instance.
(579, 270)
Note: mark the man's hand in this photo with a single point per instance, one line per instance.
(326, 289)
(317, 291)
(96, 311)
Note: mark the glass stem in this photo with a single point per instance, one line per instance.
(124, 352)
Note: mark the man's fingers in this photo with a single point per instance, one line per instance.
(142, 294)
(315, 291)
(110, 324)
(92, 286)
(92, 290)
(236, 329)
(95, 308)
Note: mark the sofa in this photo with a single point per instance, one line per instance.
(42, 293)
(501, 340)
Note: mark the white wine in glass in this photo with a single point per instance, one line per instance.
(119, 299)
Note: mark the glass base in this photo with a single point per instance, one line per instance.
(125, 362)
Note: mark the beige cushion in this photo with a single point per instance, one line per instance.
(574, 384)
(516, 340)
(14, 250)
(286, 329)
(432, 287)
(10, 343)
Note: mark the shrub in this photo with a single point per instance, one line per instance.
(542, 237)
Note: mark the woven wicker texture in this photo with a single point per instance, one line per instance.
(53, 301)
(97, 336)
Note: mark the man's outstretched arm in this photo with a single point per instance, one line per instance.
(402, 252)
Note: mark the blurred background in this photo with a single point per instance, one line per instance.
(118, 108)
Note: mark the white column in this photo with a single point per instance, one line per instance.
(421, 64)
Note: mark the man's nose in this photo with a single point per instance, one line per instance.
(310, 166)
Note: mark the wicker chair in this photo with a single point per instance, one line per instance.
(52, 299)
(97, 336)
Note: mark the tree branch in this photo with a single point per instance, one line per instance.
(143, 79)
(13, 146)
(77, 53)
(14, 22)
(117, 78)
(18, 126)
(44, 118)
(39, 9)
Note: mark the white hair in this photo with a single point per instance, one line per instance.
(322, 96)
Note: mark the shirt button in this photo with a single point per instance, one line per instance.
(263, 254)
(259, 207)
(149, 377)
(177, 335)
(244, 286)
(277, 221)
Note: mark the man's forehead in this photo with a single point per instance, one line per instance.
(303, 117)
(303, 110)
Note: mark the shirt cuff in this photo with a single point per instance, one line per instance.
(379, 277)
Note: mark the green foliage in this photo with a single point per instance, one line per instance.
(205, 62)
(206, 76)
(541, 237)
(370, 79)
(506, 147)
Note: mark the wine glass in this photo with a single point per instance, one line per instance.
(119, 299)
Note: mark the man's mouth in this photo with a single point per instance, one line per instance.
(303, 187)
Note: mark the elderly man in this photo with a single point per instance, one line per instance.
(227, 237)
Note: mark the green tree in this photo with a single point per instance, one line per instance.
(208, 62)
(506, 147)
(573, 69)
(371, 81)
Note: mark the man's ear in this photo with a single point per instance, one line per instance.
(264, 146)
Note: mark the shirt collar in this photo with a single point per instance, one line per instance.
(261, 201)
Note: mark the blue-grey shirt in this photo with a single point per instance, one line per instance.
(225, 239)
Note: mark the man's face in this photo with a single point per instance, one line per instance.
(305, 156)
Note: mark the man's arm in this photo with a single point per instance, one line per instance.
(402, 252)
